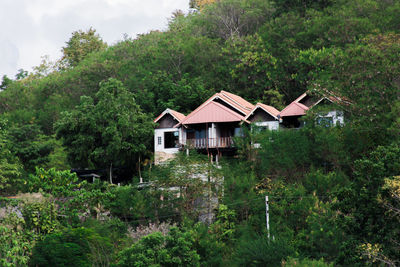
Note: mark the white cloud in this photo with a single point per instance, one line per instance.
(31, 29)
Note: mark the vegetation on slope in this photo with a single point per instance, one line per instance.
(334, 192)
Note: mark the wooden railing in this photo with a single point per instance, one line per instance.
(220, 142)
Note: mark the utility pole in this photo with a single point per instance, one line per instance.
(267, 215)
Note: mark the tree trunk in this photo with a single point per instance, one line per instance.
(111, 174)
(140, 173)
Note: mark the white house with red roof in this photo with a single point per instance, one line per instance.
(167, 137)
(211, 127)
(289, 116)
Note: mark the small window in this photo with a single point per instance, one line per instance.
(159, 140)
(171, 139)
(238, 132)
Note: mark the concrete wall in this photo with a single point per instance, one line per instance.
(161, 153)
(272, 125)
(337, 117)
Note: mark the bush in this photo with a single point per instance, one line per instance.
(284, 153)
(175, 249)
(57, 183)
(15, 245)
(306, 263)
(261, 251)
(73, 247)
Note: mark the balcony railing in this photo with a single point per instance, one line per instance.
(220, 142)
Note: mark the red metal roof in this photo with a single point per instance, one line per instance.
(300, 97)
(298, 109)
(294, 109)
(177, 115)
(236, 101)
(269, 109)
(212, 112)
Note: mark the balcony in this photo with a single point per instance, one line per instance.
(203, 143)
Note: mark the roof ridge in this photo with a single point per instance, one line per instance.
(260, 105)
(171, 112)
(213, 106)
(301, 105)
(227, 94)
(227, 109)
(300, 97)
(269, 106)
(178, 113)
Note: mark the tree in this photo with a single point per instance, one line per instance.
(258, 250)
(10, 167)
(365, 78)
(72, 247)
(80, 45)
(200, 4)
(5, 82)
(57, 183)
(30, 145)
(234, 18)
(301, 5)
(110, 129)
(21, 74)
(175, 249)
(15, 243)
(366, 208)
(253, 69)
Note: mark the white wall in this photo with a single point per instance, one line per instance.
(272, 125)
(337, 117)
(182, 135)
(160, 133)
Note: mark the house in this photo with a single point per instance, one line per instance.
(167, 138)
(211, 127)
(290, 115)
(264, 116)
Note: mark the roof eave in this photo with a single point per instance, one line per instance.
(167, 111)
(259, 106)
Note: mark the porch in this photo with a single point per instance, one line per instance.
(204, 143)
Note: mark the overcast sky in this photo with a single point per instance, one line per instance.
(31, 29)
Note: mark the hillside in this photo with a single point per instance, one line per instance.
(334, 192)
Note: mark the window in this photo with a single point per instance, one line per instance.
(238, 132)
(159, 140)
(171, 139)
(200, 134)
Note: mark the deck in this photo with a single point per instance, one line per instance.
(202, 143)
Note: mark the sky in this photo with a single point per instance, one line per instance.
(31, 29)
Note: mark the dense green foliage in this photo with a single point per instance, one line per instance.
(175, 249)
(334, 192)
(110, 129)
(80, 45)
(73, 247)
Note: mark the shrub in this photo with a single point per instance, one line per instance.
(175, 249)
(72, 247)
(261, 251)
